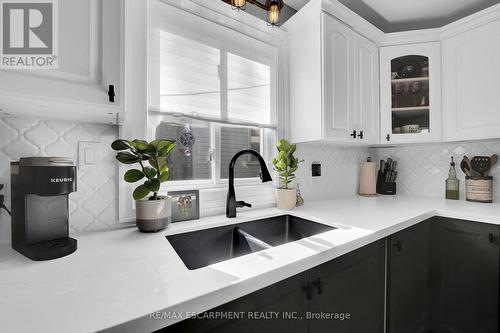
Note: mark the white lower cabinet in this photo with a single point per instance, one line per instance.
(333, 81)
(90, 60)
(471, 74)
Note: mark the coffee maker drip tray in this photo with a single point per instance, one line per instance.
(52, 249)
(46, 217)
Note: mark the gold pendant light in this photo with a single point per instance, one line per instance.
(273, 11)
(239, 4)
(273, 8)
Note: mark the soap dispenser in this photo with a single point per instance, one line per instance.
(452, 183)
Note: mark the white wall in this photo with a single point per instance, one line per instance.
(422, 169)
(340, 170)
(93, 206)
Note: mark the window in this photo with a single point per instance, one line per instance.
(212, 90)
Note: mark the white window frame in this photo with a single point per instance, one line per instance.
(216, 181)
(135, 124)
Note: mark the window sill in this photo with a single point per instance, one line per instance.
(213, 196)
(207, 185)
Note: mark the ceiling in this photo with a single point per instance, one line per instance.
(401, 15)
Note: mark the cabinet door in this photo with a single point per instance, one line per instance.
(366, 115)
(283, 298)
(471, 74)
(410, 92)
(465, 276)
(338, 80)
(354, 284)
(408, 280)
(89, 60)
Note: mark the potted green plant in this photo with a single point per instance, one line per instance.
(285, 163)
(153, 211)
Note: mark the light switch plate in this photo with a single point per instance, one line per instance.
(88, 153)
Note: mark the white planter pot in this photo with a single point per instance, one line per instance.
(286, 199)
(153, 215)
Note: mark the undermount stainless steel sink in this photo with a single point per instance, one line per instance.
(205, 247)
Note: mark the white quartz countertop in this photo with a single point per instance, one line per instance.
(117, 278)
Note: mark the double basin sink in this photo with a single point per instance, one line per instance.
(201, 248)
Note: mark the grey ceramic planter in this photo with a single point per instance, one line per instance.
(153, 215)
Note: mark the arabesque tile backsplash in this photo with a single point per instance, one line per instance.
(93, 206)
(422, 168)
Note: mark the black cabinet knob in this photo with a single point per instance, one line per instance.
(360, 135)
(353, 134)
(111, 93)
(308, 290)
(318, 283)
(398, 246)
(491, 237)
(388, 137)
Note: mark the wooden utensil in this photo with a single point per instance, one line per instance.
(481, 164)
(471, 171)
(493, 159)
(466, 159)
(465, 167)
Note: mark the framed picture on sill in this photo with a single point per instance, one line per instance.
(185, 205)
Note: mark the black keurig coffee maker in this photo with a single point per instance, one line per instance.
(40, 212)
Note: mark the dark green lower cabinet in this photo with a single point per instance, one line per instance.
(465, 274)
(443, 277)
(408, 280)
(345, 295)
(352, 285)
(286, 295)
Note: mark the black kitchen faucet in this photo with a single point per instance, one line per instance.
(231, 203)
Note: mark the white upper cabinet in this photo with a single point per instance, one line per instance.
(410, 93)
(333, 81)
(366, 89)
(90, 56)
(471, 75)
(338, 91)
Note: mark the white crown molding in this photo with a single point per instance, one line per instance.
(472, 21)
(353, 20)
(411, 37)
(365, 28)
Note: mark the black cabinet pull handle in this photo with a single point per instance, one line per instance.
(360, 135)
(318, 283)
(491, 237)
(308, 290)
(388, 137)
(398, 246)
(353, 134)
(111, 93)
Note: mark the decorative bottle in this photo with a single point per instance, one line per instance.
(452, 183)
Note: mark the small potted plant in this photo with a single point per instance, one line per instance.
(286, 164)
(153, 212)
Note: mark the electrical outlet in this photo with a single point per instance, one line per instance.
(88, 153)
(316, 169)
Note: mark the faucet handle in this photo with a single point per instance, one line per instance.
(243, 204)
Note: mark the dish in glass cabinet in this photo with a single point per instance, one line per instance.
(409, 70)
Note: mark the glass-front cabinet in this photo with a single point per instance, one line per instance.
(410, 83)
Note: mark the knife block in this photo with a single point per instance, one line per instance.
(383, 187)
